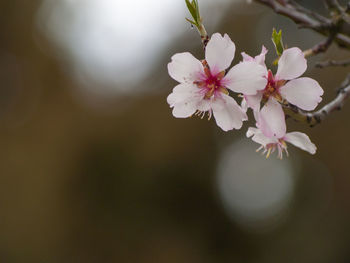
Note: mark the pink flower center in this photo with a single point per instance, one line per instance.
(272, 87)
(214, 81)
(211, 85)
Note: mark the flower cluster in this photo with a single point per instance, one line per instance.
(204, 88)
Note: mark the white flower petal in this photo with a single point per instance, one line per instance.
(271, 119)
(184, 109)
(304, 93)
(246, 77)
(244, 105)
(291, 65)
(252, 131)
(183, 92)
(219, 53)
(253, 101)
(204, 105)
(185, 68)
(184, 100)
(260, 59)
(228, 114)
(246, 57)
(301, 140)
(259, 137)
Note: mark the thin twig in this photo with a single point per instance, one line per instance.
(320, 47)
(333, 6)
(304, 19)
(204, 35)
(291, 12)
(336, 29)
(334, 63)
(309, 12)
(313, 118)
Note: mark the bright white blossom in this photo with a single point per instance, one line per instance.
(203, 85)
(270, 145)
(273, 137)
(286, 85)
(305, 93)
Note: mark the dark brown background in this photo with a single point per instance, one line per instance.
(118, 179)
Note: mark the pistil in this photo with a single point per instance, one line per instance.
(272, 88)
(211, 85)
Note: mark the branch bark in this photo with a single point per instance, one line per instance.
(334, 63)
(333, 6)
(203, 34)
(337, 29)
(320, 47)
(314, 118)
(306, 18)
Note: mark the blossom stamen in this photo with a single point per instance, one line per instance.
(270, 148)
(258, 150)
(211, 85)
(268, 153)
(272, 88)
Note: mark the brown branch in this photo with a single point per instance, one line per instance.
(203, 34)
(337, 29)
(333, 6)
(291, 12)
(308, 12)
(320, 24)
(334, 63)
(320, 47)
(313, 118)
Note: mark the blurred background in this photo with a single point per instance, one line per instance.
(94, 168)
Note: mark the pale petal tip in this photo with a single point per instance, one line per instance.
(292, 64)
(219, 52)
(302, 141)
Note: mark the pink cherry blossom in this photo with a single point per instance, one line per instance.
(270, 145)
(204, 85)
(259, 58)
(303, 92)
(271, 132)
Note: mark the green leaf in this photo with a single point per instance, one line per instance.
(195, 4)
(192, 22)
(192, 8)
(277, 41)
